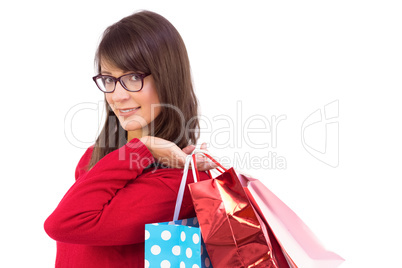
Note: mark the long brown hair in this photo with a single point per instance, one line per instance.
(146, 42)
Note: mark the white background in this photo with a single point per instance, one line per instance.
(289, 58)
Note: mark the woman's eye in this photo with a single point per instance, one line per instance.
(134, 78)
(109, 80)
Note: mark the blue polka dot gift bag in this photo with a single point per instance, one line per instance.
(175, 244)
(178, 243)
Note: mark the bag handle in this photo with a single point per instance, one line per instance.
(191, 158)
(179, 199)
(194, 164)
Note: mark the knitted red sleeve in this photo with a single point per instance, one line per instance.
(111, 203)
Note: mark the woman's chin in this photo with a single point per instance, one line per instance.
(131, 126)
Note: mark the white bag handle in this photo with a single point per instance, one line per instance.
(179, 200)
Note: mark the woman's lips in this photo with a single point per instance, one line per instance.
(128, 111)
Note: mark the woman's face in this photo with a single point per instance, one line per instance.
(135, 110)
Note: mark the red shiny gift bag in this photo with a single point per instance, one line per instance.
(233, 233)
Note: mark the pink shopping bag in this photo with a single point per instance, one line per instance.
(298, 242)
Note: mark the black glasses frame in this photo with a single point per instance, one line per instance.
(142, 76)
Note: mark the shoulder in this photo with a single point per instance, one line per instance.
(82, 166)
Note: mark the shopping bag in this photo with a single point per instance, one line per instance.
(299, 244)
(231, 230)
(176, 243)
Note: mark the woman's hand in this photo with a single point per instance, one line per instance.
(168, 153)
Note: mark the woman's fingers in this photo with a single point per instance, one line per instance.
(206, 166)
(189, 149)
(204, 163)
(203, 146)
(170, 154)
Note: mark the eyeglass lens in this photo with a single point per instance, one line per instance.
(131, 82)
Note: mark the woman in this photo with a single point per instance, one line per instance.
(131, 175)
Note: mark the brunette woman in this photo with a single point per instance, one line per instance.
(131, 175)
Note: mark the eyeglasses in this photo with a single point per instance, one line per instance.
(130, 82)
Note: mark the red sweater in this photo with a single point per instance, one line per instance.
(100, 220)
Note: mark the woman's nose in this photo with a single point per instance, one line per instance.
(120, 94)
